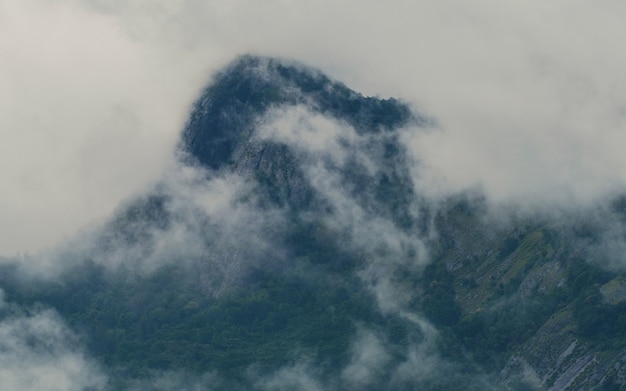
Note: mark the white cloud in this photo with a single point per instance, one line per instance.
(87, 116)
(529, 96)
(308, 132)
(174, 381)
(38, 352)
(208, 221)
(298, 377)
(325, 148)
(369, 360)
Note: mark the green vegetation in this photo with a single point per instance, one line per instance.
(161, 321)
(313, 307)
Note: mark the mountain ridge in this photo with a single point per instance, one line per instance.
(251, 85)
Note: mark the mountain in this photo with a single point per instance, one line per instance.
(291, 249)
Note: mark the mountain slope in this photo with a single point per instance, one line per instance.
(290, 249)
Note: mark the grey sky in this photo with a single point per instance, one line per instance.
(529, 96)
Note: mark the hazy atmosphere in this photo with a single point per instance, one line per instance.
(345, 195)
(528, 98)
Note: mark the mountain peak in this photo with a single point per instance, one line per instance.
(224, 116)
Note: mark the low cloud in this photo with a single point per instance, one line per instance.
(174, 381)
(345, 169)
(299, 377)
(376, 363)
(528, 97)
(209, 221)
(39, 352)
(529, 107)
(369, 360)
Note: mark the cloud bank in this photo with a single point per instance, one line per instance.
(528, 97)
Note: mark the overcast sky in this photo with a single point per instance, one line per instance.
(529, 96)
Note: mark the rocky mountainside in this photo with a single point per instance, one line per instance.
(291, 249)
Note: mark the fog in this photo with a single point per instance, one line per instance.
(528, 97)
(39, 352)
(528, 108)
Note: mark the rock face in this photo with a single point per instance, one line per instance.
(295, 254)
(533, 300)
(220, 133)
